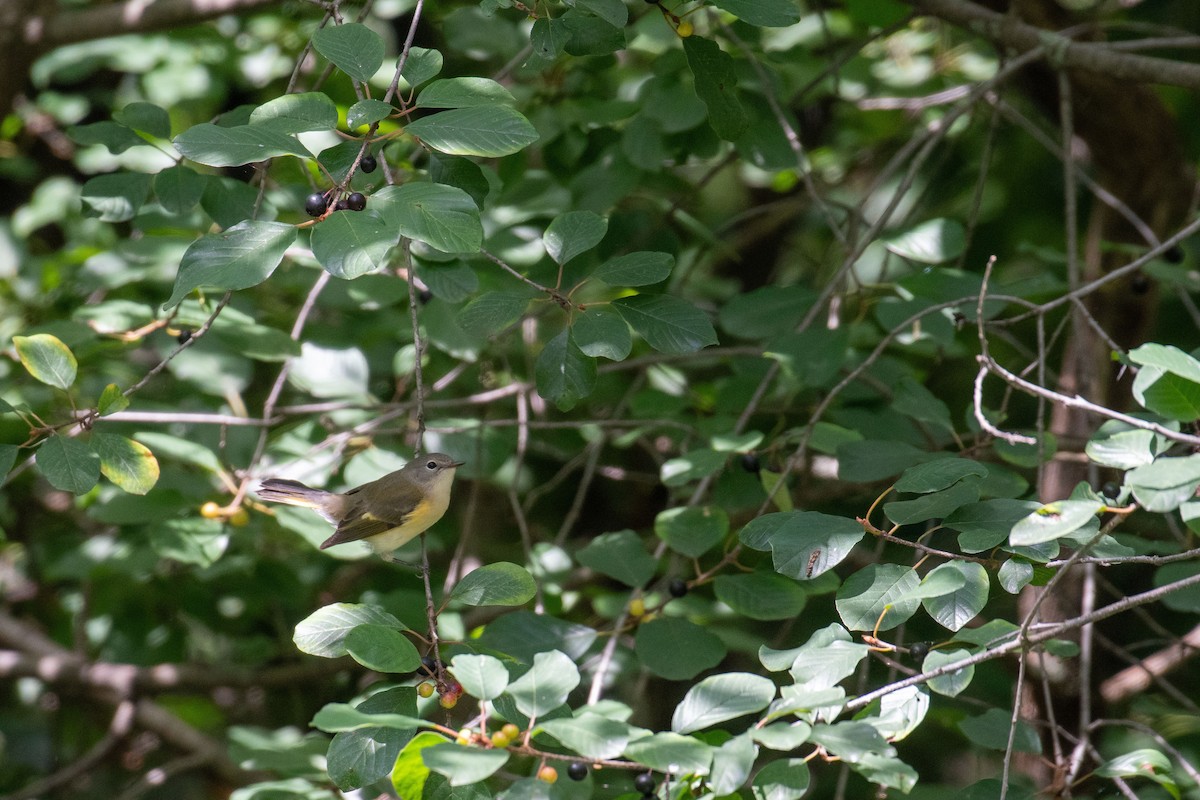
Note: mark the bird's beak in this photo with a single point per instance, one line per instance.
(457, 464)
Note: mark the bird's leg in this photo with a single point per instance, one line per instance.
(392, 558)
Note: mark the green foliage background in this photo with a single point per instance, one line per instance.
(698, 294)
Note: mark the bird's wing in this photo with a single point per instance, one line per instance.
(359, 523)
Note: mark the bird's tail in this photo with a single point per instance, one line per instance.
(294, 493)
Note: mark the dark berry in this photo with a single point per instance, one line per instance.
(315, 204)
(184, 336)
(577, 771)
(368, 163)
(357, 201)
(644, 783)
(340, 205)
(1174, 255)
(677, 587)
(750, 463)
(1110, 490)
(424, 296)
(918, 650)
(429, 665)
(1140, 284)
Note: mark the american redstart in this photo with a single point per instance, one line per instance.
(385, 513)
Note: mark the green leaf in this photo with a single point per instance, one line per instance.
(353, 48)
(900, 713)
(613, 12)
(716, 84)
(590, 735)
(878, 597)
(147, 118)
(1141, 763)
(323, 632)
(179, 189)
(367, 112)
(363, 756)
(453, 282)
(877, 13)
(693, 465)
(721, 697)
(766, 13)
(803, 544)
(125, 462)
(591, 36)
(781, 736)
(955, 609)
(573, 233)
(352, 243)
(870, 460)
(985, 524)
(334, 717)
(382, 648)
(238, 258)
(464, 93)
(190, 541)
(941, 473)
(488, 131)
(1053, 521)
(116, 197)
(228, 201)
(179, 449)
(215, 146)
(785, 779)
(1122, 446)
(619, 555)
(545, 686)
(914, 400)
(422, 64)
(935, 241)
(116, 137)
(850, 740)
(297, 113)
(732, 763)
(951, 684)
(112, 400)
(522, 634)
(443, 217)
(671, 752)
(549, 37)
(68, 464)
(934, 505)
(1167, 394)
(761, 595)
(641, 268)
(692, 530)
(668, 324)
(660, 642)
(1165, 484)
(47, 359)
(464, 765)
(1167, 358)
(409, 774)
(769, 311)
(8, 457)
(564, 374)
(492, 312)
(499, 584)
(991, 730)
(482, 676)
(600, 332)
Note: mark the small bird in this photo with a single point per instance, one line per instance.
(386, 513)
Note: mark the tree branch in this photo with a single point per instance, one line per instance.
(56, 28)
(1091, 57)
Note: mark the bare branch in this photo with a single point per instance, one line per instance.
(1091, 57)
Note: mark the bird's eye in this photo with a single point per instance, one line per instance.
(431, 464)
